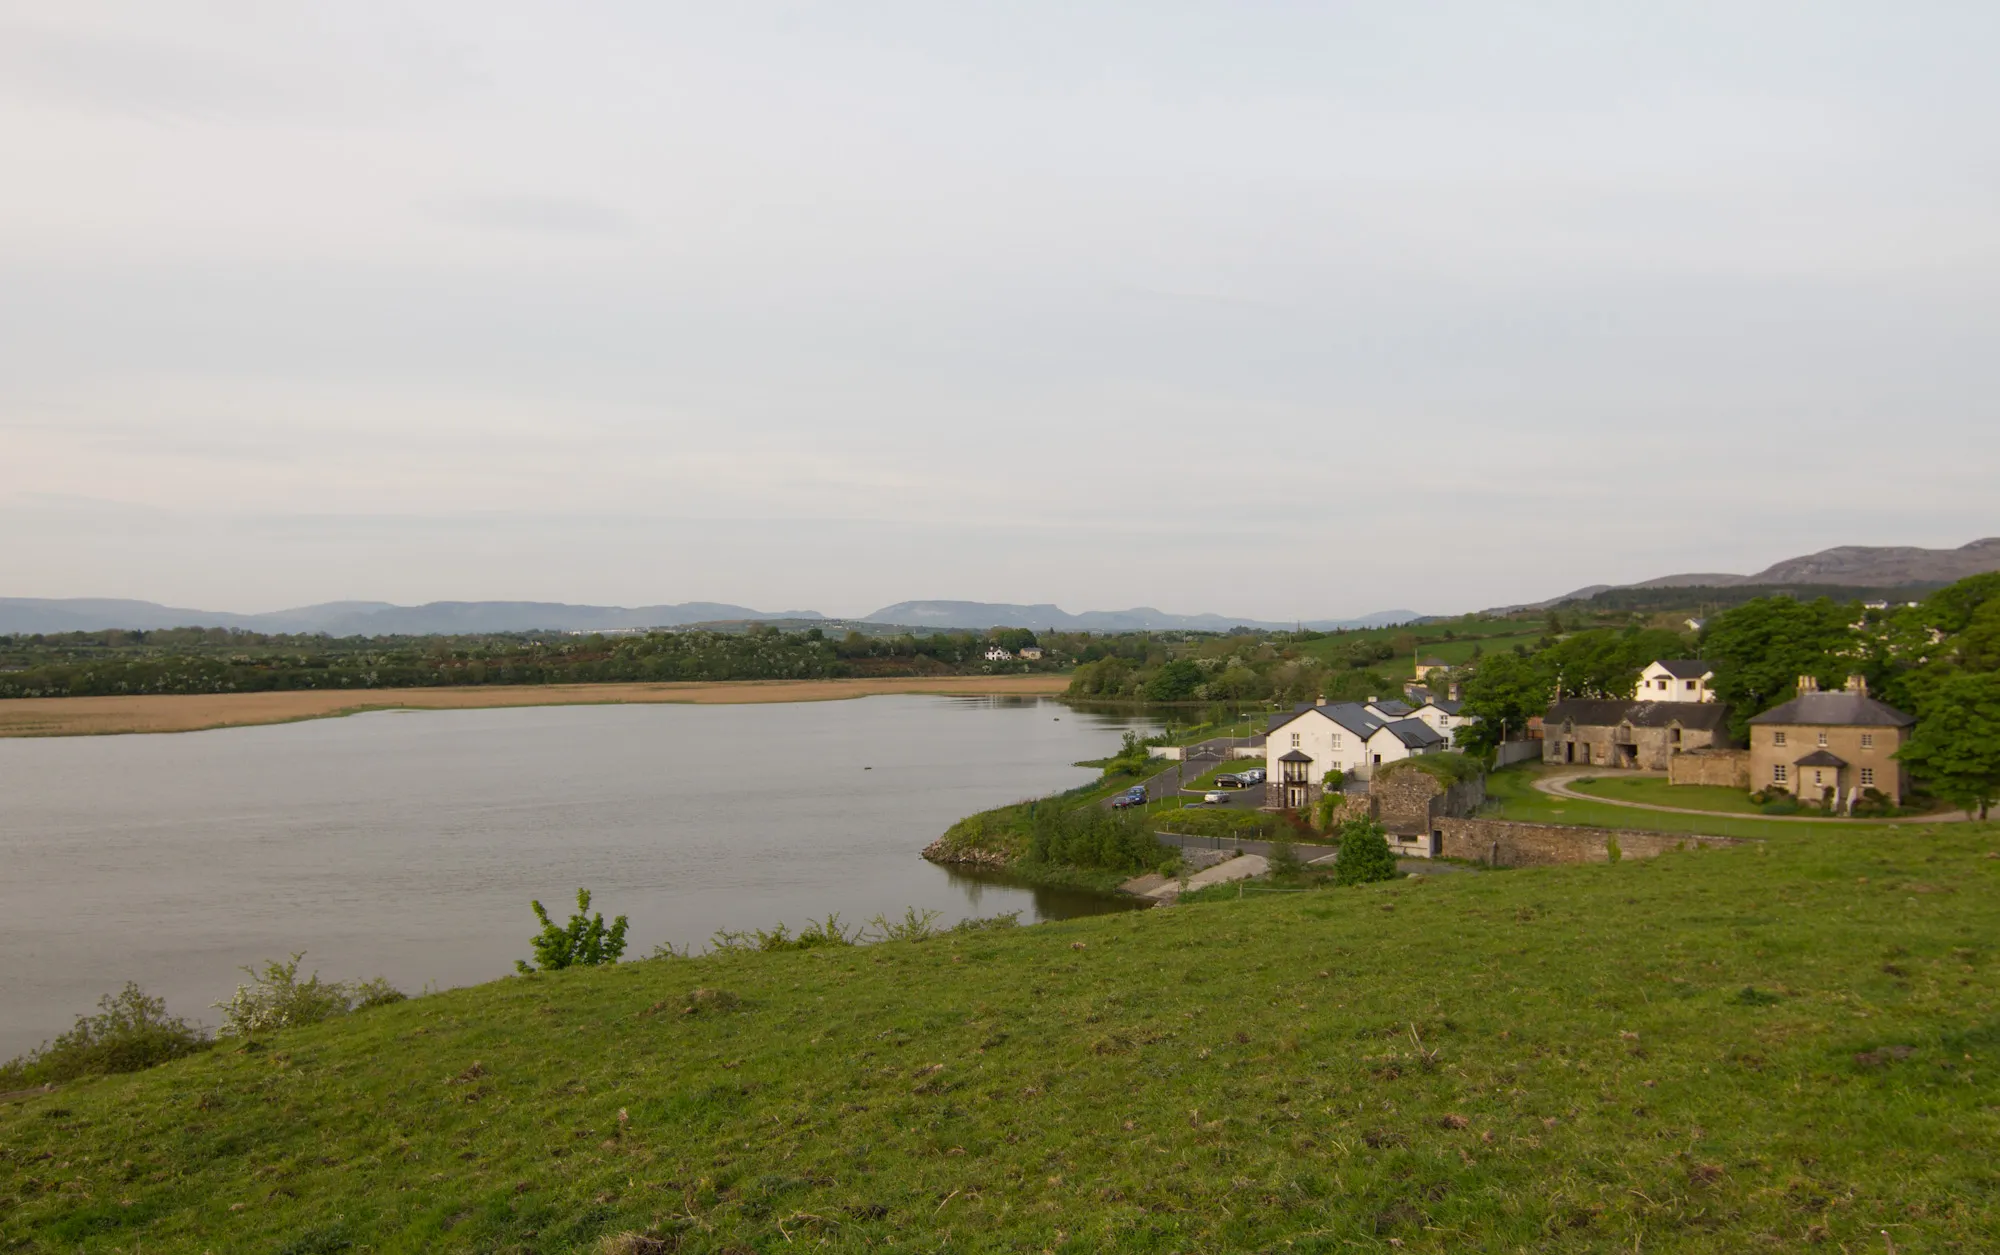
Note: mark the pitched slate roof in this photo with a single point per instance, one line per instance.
(1584, 712)
(1393, 708)
(1445, 704)
(1842, 710)
(1434, 661)
(1295, 756)
(1415, 733)
(1351, 716)
(1685, 668)
(1820, 758)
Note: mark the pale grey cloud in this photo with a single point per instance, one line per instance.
(1098, 304)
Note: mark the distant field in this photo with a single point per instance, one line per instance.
(1456, 651)
(88, 716)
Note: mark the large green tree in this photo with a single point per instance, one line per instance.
(1956, 747)
(1762, 647)
(1503, 694)
(1605, 662)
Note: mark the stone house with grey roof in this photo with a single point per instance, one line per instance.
(1831, 747)
(1641, 735)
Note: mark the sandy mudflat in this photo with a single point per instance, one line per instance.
(86, 716)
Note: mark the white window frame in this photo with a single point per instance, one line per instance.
(1868, 740)
(1778, 774)
(1778, 737)
(1867, 777)
(1295, 740)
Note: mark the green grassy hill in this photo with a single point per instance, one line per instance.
(1758, 1048)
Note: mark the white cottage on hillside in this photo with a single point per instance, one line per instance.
(1442, 716)
(1676, 680)
(1301, 747)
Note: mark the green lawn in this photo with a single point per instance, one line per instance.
(1456, 651)
(1511, 795)
(1764, 1048)
(1654, 791)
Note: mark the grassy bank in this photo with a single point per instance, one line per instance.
(1764, 1047)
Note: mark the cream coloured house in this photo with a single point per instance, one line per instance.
(1676, 680)
(1442, 716)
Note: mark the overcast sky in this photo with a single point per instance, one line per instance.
(1278, 310)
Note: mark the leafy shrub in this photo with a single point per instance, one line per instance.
(1220, 822)
(1782, 804)
(130, 1033)
(914, 926)
(1364, 854)
(816, 935)
(277, 999)
(586, 942)
(1285, 859)
(1006, 919)
(1092, 837)
(1174, 682)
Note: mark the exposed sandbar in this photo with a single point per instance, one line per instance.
(174, 712)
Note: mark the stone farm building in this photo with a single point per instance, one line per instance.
(1630, 734)
(1837, 746)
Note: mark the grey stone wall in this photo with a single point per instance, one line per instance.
(1506, 843)
(1727, 768)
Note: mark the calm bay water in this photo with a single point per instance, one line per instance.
(407, 845)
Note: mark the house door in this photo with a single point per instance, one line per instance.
(1569, 751)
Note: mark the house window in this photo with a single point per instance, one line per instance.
(1690, 685)
(1822, 740)
(1867, 777)
(1778, 773)
(1295, 740)
(1336, 740)
(1675, 736)
(1817, 777)
(1777, 738)
(1868, 740)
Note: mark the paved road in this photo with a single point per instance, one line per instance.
(1558, 786)
(1167, 784)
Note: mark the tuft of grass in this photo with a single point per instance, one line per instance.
(1552, 1059)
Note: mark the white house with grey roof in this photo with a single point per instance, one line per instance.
(1443, 716)
(1301, 747)
(1676, 680)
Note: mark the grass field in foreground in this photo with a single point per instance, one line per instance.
(1762, 1047)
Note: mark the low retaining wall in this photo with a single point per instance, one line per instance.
(1307, 853)
(1510, 752)
(1506, 843)
(1728, 768)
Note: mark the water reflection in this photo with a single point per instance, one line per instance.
(981, 885)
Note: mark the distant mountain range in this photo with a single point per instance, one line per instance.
(380, 618)
(990, 614)
(1860, 566)
(371, 618)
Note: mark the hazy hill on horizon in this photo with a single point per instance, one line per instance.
(28, 615)
(1866, 566)
(979, 615)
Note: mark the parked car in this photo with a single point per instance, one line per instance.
(1228, 781)
(1213, 798)
(1134, 796)
(1255, 776)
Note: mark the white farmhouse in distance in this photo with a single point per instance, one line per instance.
(1676, 680)
(1442, 716)
(1301, 747)
(996, 654)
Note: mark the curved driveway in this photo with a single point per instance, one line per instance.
(1558, 786)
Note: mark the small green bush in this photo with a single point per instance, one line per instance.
(1364, 854)
(989, 923)
(914, 926)
(130, 1033)
(277, 999)
(816, 935)
(1285, 859)
(586, 942)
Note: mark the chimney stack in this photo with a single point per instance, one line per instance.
(1320, 700)
(1858, 684)
(1808, 685)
